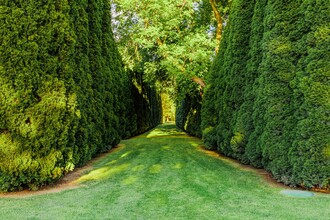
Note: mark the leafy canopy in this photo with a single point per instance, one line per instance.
(165, 39)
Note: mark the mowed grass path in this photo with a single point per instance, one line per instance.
(163, 174)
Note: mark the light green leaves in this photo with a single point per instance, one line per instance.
(164, 37)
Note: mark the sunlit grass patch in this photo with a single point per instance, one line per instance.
(103, 173)
(155, 168)
(170, 130)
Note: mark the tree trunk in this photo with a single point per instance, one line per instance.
(218, 18)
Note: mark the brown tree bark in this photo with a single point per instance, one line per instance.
(218, 18)
(199, 81)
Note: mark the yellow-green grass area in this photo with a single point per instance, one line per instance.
(163, 174)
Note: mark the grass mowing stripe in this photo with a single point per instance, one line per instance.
(163, 174)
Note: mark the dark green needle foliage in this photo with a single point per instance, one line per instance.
(38, 109)
(210, 105)
(229, 80)
(275, 93)
(244, 124)
(188, 113)
(146, 108)
(188, 107)
(64, 96)
(269, 90)
(310, 150)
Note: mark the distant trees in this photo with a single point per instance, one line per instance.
(267, 100)
(163, 39)
(171, 43)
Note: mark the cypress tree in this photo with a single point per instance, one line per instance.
(310, 151)
(237, 77)
(63, 92)
(245, 116)
(210, 107)
(146, 102)
(38, 101)
(230, 79)
(188, 113)
(279, 121)
(275, 95)
(83, 79)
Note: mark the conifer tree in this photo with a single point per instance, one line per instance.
(273, 112)
(210, 105)
(38, 101)
(188, 110)
(63, 92)
(275, 94)
(310, 151)
(230, 77)
(244, 123)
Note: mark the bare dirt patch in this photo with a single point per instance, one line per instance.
(67, 182)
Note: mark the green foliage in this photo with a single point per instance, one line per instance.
(206, 15)
(188, 107)
(188, 114)
(168, 107)
(64, 96)
(209, 114)
(164, 39)
(246, 115)
(270, 87)
(274, 94)
(229, 78)
(146, 104)
(309, 154)
(169, 42)
(38, 101)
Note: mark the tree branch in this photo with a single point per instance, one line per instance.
(199, 81)
(218, 18)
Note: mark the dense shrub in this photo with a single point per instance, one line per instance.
(270, 90)
(64, 96)
(146, 104)
(38, 109)
(188, 107)
(309, 153)
(188, 114)
(229, 80)
(210, 105)
(246, 114)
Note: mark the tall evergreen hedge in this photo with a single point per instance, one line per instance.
(64, 96)
(210, 104)
(38, 109)
(229, 81)
(270, 90)
(246, 114)
(188, 114)
(188, 107)
(147, 105)
(275, 93)
(310, 151)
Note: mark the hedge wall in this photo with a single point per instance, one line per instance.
(64, 96)
(270, 89)
(188, 107)
(38, 108)
(188, 114)
(147, 104)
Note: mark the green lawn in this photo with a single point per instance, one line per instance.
(163, 174)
